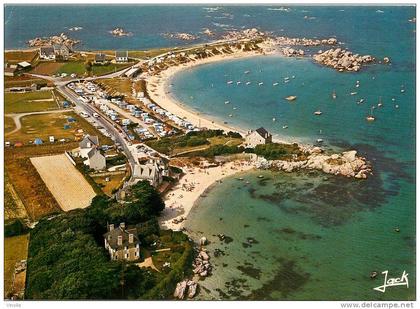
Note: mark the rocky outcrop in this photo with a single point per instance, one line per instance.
(291, 52)
(55, 39)
(185, 288)
(342, 60)
(304, 41)
(181, 36)
(345, 164)
(120, 32)
(201, 264)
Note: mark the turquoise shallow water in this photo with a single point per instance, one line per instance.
(309, 237)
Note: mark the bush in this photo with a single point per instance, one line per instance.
(276, 151)
(14, 228)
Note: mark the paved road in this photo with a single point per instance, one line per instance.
(107, 124)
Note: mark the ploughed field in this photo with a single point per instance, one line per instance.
(64, 181)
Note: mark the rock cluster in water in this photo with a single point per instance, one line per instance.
(252, 33)
(291, 52)
(342, 60)
(345, 164)
(282, 40)
(201, 264)
(185, 288)
(120, 32)
(182, 36)
(55, 39)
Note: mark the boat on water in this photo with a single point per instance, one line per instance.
(397, 106)
(319, 140)
(334, 95)
(275, 84)
(246, 72)
(260, 83)
(291, 98)
(227, 102)
(357, 85)
(234, 108)
(361, 101)
(317, 113)
(371, 117)
(286, 81)
(260, 176)
(393, 99)
(274, 119)
(353, 93)
(230, 115)
(286, 78)
(380, 102)
(402, 90)
(293, 76)
(238, 82)
(230, 82)
(285, 127)
(247, 83)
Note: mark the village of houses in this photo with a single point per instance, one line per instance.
(89, 122)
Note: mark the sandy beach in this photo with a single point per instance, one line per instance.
(180, 200)
(159, 91)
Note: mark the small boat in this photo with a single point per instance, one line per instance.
(353, 93)
(286, 78)
(380, 102)
(238, 83)
(293, 76)
(246, 72)
(234, 108)
(260, 176)
(397, 229)
(240, 178)
(361, 101)
(286, 81)
(397, 106)
(317, 113)
(275, 84)
(393, 99)
(247, 182)
(319, 140)
(285, 127)
(260, 83)
(274, 119)
(227, 102)
(402, 90)
(230, 82)
(230, 115)
(334, 95)
(370, 117)
(357, 85)
(373, 275)
(291, 98)
(247, 83)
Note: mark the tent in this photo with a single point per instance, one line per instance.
(66, 126)
(38, 141)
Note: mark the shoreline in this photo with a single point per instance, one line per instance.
(159, 91)
(196, 181)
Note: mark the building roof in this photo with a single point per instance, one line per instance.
(112, 236)
(263, 132)
(89, 138)
(100, 57)
(47, 50)
(24, 64)
(121, 54)
(145, 171)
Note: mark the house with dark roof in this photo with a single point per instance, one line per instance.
(122, 242)
(258, 137)
(95, 160)
(121, 56)
(62, 51)
(86, 145)
(100, 58)
(47, 53)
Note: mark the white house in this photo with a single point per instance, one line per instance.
(257, 137)
(121, 56)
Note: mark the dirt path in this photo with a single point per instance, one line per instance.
(16, 118)
(148, 262)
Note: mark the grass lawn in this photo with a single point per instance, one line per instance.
(13, 206)
(44, 125)
(15, 249)
(99, 70)
(9, 124)
(217, 140)
(108, 186)
(76, 67)
(114, 85)
(47, 68)
(28, 102)
(23, 81)
(19, 56)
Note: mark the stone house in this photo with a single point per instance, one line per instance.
(100, 58)
(62, 51)
(86, 145)
(95, 160)
(47, 53)
(122, 242)
(257, 137)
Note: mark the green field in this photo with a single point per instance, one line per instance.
(79, 68)
(15, 249)
(9, 125)
(44, 125)
(28, 102)
(76, 67)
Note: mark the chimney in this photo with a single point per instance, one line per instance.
(119, 241)
(130, 238)
(110, 227)
(122, 225)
